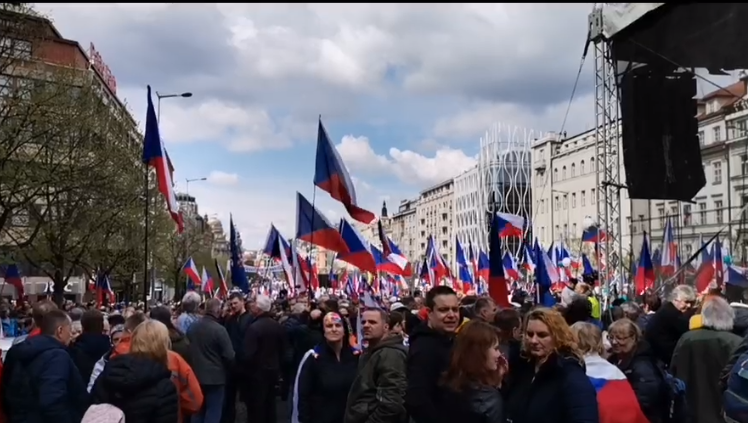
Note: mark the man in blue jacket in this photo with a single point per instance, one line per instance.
(40, 382)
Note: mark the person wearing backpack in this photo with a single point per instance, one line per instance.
(40, 381)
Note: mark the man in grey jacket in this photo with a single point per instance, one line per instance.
(212, 356)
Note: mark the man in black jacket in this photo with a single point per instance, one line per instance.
(428, 355)
(212, 357)
(236, 324)
(264, 345)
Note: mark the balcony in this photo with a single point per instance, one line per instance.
(539, 166)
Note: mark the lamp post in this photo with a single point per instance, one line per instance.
(187, 185)
(147, 253)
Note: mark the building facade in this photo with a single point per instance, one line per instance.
(504, 178)
(564, 185)
(403, 229)
(434, 216)
(469, 219)
(723, 122)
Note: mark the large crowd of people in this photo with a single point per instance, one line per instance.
(426, 358)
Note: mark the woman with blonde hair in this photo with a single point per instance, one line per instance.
(549, 383)
(616, 400)
(139, 383)
(475, 370)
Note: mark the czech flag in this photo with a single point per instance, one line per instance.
(154, 155)
(359, 250)
(497, 287)
(331, 176)
(509, 224)
(190, 270)
(593, 234)
(616, 400)
(645, 274)
(13, 278)
(314, 228)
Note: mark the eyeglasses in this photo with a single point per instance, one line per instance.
(618, 339)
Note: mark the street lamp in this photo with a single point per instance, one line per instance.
(187, 187)
(160, 96)
(147, 256)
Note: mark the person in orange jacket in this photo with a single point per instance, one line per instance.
(190, 394)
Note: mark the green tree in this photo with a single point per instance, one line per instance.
(89, 150)
(173, 251)
(22, 106)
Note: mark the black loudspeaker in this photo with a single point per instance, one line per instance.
(661, 150)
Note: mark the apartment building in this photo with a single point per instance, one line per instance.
(564, 184)
(468, 214)
(403, 228)
(434, 216)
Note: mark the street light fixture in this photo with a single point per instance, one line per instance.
(162, 96)
(147, 256)
(187, 186)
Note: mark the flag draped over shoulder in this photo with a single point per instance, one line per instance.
(616, 400)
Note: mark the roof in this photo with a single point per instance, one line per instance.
(735, 91)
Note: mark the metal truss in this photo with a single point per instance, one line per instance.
(608, 154)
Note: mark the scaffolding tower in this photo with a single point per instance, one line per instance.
(608, 155)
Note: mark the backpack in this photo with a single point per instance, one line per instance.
(675, 394)
(735, 398)
(103, 413)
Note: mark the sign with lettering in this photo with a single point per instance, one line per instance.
(101, 67)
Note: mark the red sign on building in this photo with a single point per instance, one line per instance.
(98, 63)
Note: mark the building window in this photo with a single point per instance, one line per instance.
(581, 167)
(582, 198)
(566, 202)
(701, 138)
(573, 230)
(592, 196)
(592, 165)
(661, 215)
(573, 170)
(717, 172)
(555, 175)
(17, 49)
(702, 213)
(563, 173)
(717, 134)
(555, 204)
(718, 211)
(573, 200)
(744, 164)
(687, 215)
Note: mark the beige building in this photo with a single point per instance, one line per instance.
(220, 245)
(435, 216)
(403, 229)
(564, 184)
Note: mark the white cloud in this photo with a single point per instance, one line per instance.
(408, 166)
(254, 208)
(222, 178)
(474, 121)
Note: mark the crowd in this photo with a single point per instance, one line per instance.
(427, 358)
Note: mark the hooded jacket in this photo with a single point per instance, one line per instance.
(41, 383)
(140, 387)
(378, 392)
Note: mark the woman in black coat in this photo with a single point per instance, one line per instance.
(325, 376)
(549, 383)
(139, 383)
(472, 380)
(633, 356)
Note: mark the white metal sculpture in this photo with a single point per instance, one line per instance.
(504, 177)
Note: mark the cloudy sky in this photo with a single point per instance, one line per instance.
(405, 91)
